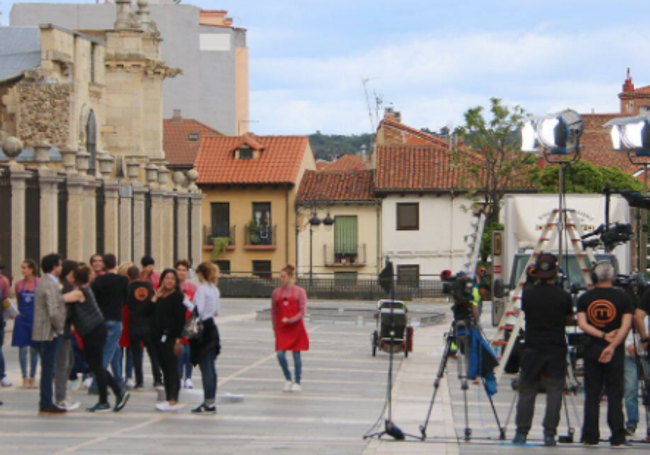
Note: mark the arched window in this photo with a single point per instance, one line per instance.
(91, 141)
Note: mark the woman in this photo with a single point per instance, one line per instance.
(188, 289)
(22, 336)
(125, 337)
(288, 308)
(206, 348)
(89, 324)
(169, 324)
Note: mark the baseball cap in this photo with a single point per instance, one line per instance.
(546, 266)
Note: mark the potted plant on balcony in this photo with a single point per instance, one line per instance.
(253, 233)
(220, 245)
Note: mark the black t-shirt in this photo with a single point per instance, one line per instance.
(644, 303)
(605, 307)
(139, 303)
(546, 307)
(110, 292)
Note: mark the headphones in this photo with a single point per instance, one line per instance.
(593, 275)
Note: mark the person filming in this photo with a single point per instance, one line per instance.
(605, 316)
(548, 309)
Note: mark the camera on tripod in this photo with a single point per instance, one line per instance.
(608, 236)
(460, 286)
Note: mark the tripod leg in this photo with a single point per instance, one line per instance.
(436, 383)
(512, 407)
(463, 372)
(502, 430)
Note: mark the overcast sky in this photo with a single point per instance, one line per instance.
(432, 59)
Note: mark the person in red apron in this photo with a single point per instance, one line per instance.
(288, 308)
(22, 335)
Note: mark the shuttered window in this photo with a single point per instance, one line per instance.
(345, 235)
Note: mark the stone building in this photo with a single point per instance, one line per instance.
(81, 121)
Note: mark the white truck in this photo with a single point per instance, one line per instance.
(523, 218)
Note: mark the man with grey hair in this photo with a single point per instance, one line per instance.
(605, 316)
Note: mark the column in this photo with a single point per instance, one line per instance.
(182, 240)
(157, 227)
(111, 216)
(89, 238)
(139, 222)
(196, 228)
(49, 212)
(76, 185)
(168, 230)
(18, 186)
(126, 234)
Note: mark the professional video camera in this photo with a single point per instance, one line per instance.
(633, 284)
(459, 286)
(608, 236)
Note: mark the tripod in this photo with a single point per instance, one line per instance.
(458, 332)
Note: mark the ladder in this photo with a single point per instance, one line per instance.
(473, 243)
(513, 318)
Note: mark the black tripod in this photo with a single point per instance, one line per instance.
(458, 332)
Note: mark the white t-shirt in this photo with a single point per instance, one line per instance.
(206, 300)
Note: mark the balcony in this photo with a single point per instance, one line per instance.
(211, 233)
(352, 257)
(260, 238)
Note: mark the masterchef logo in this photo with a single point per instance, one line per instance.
(601, 312)
(141, 294)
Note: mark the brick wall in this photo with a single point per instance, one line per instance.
(44, 113)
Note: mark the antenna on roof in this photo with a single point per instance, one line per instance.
(378, 100)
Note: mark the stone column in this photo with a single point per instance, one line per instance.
(182, 240)
(139, 223)
(89, 238)
(111, 216)
(76, 185)
(157, 243)
(18, 186)
(49, 212)
(126, 234)
(168, 230)
(196, 228)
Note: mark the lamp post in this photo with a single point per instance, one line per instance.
(315, 222)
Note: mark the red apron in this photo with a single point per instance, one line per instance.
(289, 337)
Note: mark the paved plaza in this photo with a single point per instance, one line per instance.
(343, 393)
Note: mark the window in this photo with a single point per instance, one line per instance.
(91, 141)
(345, 240)
(224, 267)
(630, 106)
(408, 275)
(245, 153)
(408, 216)
(193, 137)
(262, 269)
(345, 278)
(92, 63)
(259, 229)
(220, 212)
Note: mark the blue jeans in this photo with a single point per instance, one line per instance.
(632, 392)
(2, 341)
(47, 351)
(119, 353)
(297, 362)
(184, 364)
(23, 352)
(208, 377)
(112, 355)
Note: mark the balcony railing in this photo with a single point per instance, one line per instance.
(260, 237)
(214, 232)
(352, 257)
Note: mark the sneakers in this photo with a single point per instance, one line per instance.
(205, 409)
(100, 408)
(589, 444)
(158, 385)
(519, 439)
(6, 382)
(629, 431)
(287, 387)
(69, 405)
(166, 407)
(549, 441)
(121, 401)
(52, 410)
(74, 385)
(295, 388)
(623, 445)
(138, 387)
(87, 383)
(130, 384)
(188, 384)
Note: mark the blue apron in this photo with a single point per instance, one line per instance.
(24, 322)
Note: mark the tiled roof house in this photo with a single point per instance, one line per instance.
(181, 140)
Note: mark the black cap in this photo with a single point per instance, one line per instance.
(546, 266)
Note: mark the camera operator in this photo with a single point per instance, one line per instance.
(466, 305)
(605, 316)
(548, 309)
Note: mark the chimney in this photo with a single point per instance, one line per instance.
(177, 117)
(123, 20)
(392, 114)
(628, 86)
(364, 153)
(143, 13)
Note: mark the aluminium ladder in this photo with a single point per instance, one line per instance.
(513, 318)
(473, 243)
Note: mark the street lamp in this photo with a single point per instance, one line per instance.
(314, 222)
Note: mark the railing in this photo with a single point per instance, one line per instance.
(213, 232)
(351, 258)
(260, 237)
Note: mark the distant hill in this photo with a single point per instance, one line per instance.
(329, 146)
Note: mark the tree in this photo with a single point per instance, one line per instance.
(584, 177)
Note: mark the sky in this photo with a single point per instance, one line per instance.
(431, 59)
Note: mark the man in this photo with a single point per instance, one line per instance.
(605, 316)
(49, 318)
(4, 294)
(97, 264)
(110, 291)
(548, 310)
(148, 272)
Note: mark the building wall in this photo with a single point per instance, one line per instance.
(213, 87)
(438, 244)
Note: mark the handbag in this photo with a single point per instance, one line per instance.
(193, 326)
(9, 310)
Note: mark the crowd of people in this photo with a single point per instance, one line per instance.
(84, 322)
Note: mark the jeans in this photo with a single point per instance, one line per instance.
(184, 364)
(139, 337)
(47, 351)
(128, 365)
(632, 391)
(23, 352)
(2, 341)
(93, 347)
(64, 364)
(209, 377)
(169, 366)
(297, 362)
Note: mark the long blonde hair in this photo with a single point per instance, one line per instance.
(209, 272)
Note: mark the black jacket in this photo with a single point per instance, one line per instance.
(111, 292)
(170, 315)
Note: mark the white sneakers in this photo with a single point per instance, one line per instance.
(87, 383)
(291, 387)
(287, 387)
(69, 405)
(166, 407)
(188, 384)
(130, 384)
(6, 382)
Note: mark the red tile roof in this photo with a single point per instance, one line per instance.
(348, 163)
(345, 186)
(322, 164)
(413, 136)
(179, 149)
(596, 144)
(278, 163)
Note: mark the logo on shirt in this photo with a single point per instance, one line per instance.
(141, 294)
(601, 312)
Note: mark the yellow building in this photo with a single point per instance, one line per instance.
(250, 185)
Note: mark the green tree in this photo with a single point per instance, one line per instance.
(584, 177)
